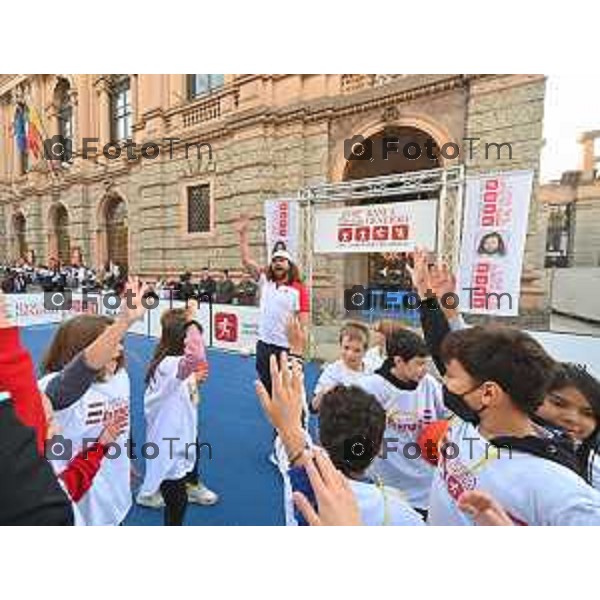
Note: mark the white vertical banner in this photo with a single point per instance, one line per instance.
(493, 242)
(282, 226)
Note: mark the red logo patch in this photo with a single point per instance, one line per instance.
(226, 327)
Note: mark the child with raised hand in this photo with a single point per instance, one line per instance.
(86, 382)
(570, 411)
(350, 367)
(347, 413)
(170, 405)
(198, 492)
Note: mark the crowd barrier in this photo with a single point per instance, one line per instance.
(235, 328)
(226, 326)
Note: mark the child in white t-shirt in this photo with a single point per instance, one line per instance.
(87, 384)
(412, 399)
(349, 368)
(170, 406)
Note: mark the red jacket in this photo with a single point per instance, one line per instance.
(17, 377)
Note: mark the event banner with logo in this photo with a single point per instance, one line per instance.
(282, 226)
(493, 242)
(394, 227)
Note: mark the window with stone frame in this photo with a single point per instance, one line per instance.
(198, 209)
(64, 109)
(121, 112)
(202, 84)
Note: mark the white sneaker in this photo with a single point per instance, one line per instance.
(200, 494)
(150, 500)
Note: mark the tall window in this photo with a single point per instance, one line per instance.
(201, 84)
(558, 237)
(121, 108)
(64, 109)
(198, 209)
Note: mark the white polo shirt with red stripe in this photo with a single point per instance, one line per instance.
(277, 303)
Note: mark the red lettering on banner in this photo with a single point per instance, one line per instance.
(489, 213)
(283, 219)
(481, 282)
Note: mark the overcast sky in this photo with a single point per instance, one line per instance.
(572, 106)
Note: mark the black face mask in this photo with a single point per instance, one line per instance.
(456, 403)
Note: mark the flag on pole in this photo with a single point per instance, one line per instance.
(34, 131)
(20, 128)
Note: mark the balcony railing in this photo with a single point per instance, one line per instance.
(210, 107)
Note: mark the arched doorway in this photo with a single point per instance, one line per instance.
(20, 231)
(59, 243)
(408, 149)
(117, 232)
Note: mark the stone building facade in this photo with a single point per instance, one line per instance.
(570, 211)
(269, 135)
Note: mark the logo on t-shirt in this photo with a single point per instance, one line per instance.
(226, 326)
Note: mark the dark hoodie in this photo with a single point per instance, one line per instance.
(30, 493)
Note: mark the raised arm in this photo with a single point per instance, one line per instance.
(102, 350)
(312, 473)
(283, 407)
(433, 321)
(81, 372)
(242, 229)
(194, 352)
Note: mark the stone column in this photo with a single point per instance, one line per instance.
(104, 116)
